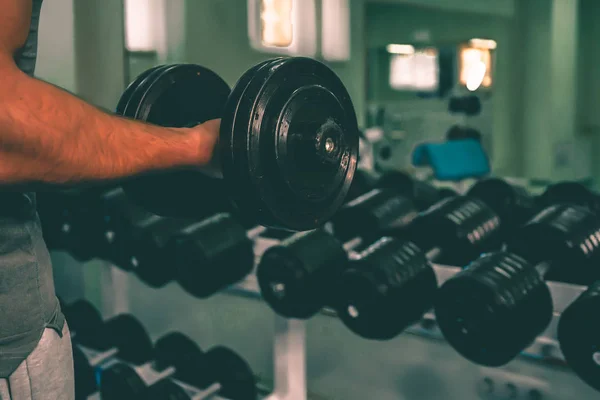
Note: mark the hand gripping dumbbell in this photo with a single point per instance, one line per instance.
(95, 342)
(295, 277)
(493, 309)
(177, 357)
(579, 336)
(287, 148)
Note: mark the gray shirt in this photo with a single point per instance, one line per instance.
(28, 303)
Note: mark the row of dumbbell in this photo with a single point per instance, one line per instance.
(312, 269)
(389, 284)
(117, 359)
(202, 256)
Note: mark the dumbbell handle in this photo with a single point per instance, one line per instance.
(352, 244)
(150, 375)
(203, 394)
(99, 357)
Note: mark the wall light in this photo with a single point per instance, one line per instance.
(276, 22)
(475, 66)
(475, 75)
(483, 43)
(400, 49)
(139, 16)
(285, 27)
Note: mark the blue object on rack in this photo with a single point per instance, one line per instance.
(453, 160)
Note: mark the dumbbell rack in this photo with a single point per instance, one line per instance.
(115, 301)
(289, 348)
(289, 345)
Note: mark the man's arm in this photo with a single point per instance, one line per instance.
(50, 136)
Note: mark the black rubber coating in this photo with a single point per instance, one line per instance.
(566, 235)
(372, 214)
(121, 382)
(579, 336)
(462, 227)
(292, 171)
(231, 371)
(210, 255)
(571, 193)
(83, 318)
(179, 351)
(513, 204)
(388, 289)
(296, 277)
(85, 375)
(125, 333)
(178, 95)
(494, 309)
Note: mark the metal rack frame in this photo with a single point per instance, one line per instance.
(289, 345)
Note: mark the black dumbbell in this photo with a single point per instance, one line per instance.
(82, 317)
(568, 192)
(390, 285)
(95, 341)
(423, 194)
(204, 257)
(513, 204)
(579, 336)
(134, 239)
(212, 254)
(295, 277)
(178, 357)
(361, 183)
(292, 171)
(493, 309)
(62, 215)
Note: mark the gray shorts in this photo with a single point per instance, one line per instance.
(46, 374)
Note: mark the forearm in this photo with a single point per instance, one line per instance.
(50, 136)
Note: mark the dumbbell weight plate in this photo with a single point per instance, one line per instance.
(130, 89)
(83, 318)
(85, 382)
(232, 372)
(177, 96)
(125, 333)
(569, 193)
(178, 351)
(289, 143)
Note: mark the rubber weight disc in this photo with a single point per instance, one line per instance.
(130, 89)
(177, 96)
(289, 143)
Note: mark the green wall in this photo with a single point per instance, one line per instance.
(403, 23)
(217, 37)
